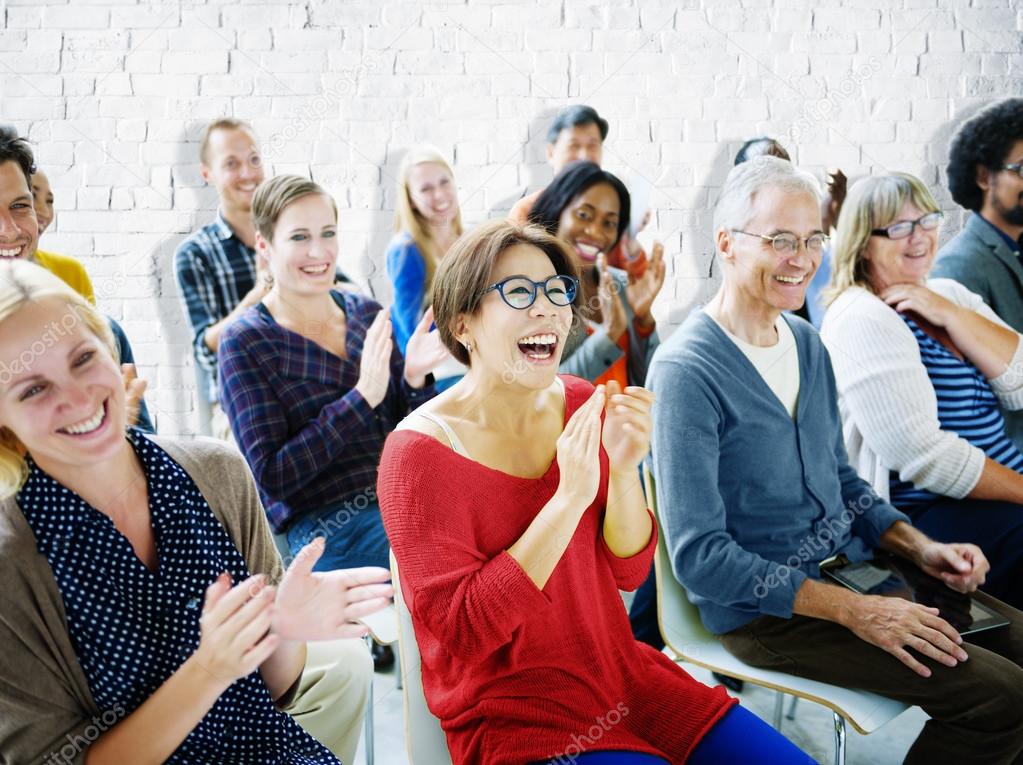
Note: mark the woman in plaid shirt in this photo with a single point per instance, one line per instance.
(312, 382)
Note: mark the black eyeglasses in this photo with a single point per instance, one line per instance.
(905, 228)
(787, 244)
(1016, 167)
(520, 292)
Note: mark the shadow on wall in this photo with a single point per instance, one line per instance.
(536, 170)
(373, 265)
(191, 193)
(937, 153)
(694, 274)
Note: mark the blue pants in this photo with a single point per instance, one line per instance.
(354, 536)
(740, 737)
(995, 527)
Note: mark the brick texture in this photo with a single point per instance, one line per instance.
(115, 93)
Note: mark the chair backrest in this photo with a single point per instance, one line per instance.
(204, 411)
(678, 618)
(424, 738)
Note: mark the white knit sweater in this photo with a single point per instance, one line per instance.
(888, 406)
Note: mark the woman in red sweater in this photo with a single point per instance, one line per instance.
(514, 508)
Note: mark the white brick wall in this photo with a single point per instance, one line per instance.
(115, 94)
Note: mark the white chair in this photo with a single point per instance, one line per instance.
(424, 738)
(685, 635)
(383, 629)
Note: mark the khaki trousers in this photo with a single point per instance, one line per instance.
(332, 696)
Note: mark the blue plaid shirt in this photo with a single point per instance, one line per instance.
(215, 270)
(310, 438)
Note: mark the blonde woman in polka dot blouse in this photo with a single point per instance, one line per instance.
(144, 614)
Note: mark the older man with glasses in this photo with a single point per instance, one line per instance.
(755, 491)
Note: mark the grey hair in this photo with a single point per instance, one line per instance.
(735, 205)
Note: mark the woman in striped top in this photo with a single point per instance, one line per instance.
(924, 368)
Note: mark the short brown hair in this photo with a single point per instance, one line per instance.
(222, 123)
(275, 195)
(466, 271)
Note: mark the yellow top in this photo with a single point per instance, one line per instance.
(70, 270)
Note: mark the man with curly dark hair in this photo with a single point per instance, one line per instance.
(985, 175)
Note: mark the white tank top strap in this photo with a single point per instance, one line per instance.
(453, 440)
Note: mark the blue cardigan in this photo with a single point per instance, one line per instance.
(406, 269)
(750, 500)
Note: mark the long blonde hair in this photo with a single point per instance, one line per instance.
(23, 282)
(407, 218)
(872, 202)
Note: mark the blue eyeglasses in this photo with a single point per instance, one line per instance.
(520, 292)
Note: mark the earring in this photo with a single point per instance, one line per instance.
(468, 347)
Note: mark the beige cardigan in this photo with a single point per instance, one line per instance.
(44, 697)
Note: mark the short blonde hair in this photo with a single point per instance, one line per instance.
(23, 282)
(407, 218)
(275, 195)
(872, 202)
(466, 270)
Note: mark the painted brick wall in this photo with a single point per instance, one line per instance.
(115, 95)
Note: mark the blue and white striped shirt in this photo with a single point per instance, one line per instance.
(967, 406)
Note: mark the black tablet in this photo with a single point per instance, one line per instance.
(893, 576)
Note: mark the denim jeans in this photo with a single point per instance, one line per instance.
(354, 537)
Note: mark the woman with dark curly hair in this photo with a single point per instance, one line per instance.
(985, 175)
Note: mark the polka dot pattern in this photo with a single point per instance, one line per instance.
(132, 627)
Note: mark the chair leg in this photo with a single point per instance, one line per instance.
(397, 668)
(779, 707)
(839, 739)
(791, 714)
(369, 713)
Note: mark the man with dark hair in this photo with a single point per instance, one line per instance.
(576, 133)
(985, 175)
(19, 238)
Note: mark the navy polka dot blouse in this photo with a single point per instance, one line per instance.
(132, 628)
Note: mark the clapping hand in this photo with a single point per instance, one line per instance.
(627, 426)
(233, 637)
(134, 388)
(375, 363)
(612, 312)
(642, 291)
(579, 451)
(424, 352)
(323, 605)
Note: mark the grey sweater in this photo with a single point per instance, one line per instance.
(750, 501)
(590, 356)
(46, 707)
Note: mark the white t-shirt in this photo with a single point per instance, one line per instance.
(778, 364)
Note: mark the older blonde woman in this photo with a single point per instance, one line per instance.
(146, 615)
(427, 222)
(922, 367)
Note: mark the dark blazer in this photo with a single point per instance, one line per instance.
(982, 261)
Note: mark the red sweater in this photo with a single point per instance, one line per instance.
(514, 673)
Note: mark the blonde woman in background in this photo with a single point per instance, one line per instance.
(427, 221)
